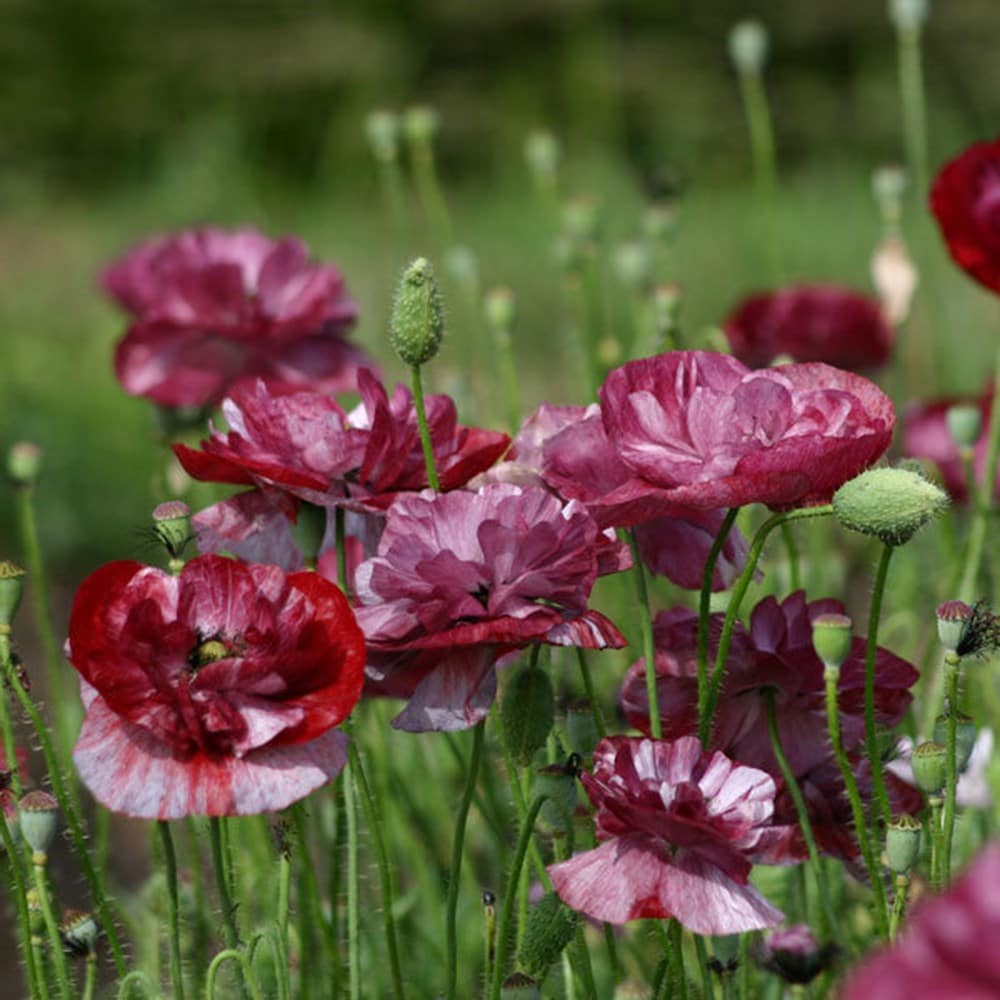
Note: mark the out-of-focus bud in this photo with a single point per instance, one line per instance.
(633, 265)
(500, 309)
(659, 221)
(748, 45)
(11, 591)
(909, 15)
(417, 315)
(79, 932)
(895, 279)
(541, 153)
(421, 125)
(902, 843)
(633, 989)
(965, 424)
(581, 729)
(518, 986)
(795, 954)
(462, 266)
(24, 463)
(382, 128)
(580, 218)
(889, 185)
(558, 783)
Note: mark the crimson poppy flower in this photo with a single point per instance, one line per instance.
(679, 830)
(213, 307)
(701, 429)
(965, 200)
(810, 323)
(462, 578)
(948, 947)
(214, 692)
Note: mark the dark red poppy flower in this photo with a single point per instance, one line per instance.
(926, 435)
(461, 578)
(948, 948)
(679, 830)
(965, 200)
(306, 445)
(213, 307)
(214, 692)
(702, 430)
(810, 323)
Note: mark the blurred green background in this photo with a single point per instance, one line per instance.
(118, 119)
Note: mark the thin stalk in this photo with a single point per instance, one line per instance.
(951, 665)
(648, 648)
(229, 929)
(340, 541)
(454, 879)
(56, 953)
(429, 193)
(588, 686)
(173, 909)
(743, 976)
(706, 706)
(871, 734)
(911, 88)
(508, 377)
(353, 890)
(935, 835)
(425, 434)
(6, 724)
(673, 940)
(237, 956)
(21, 904)
(390, 179)
(706, 976)
(794, 572)
(90, 978)
(898, 904)
(765, 168)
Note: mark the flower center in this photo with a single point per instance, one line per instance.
(210, 651)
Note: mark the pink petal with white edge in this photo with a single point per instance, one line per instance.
(455, 695)
(131, 772)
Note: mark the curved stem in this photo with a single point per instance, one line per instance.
(648, 648)
(173, 909)
(425, 435)
(231, 955)
(951, 665)
(230, 932)
(879, 794)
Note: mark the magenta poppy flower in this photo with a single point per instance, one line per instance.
(965, 200)
(212, 308)
(701, 429)
(679, 830)
(461, 578)
(810, 323)
(947, 949)
(926, 435)
(215, 692)
(306, 445)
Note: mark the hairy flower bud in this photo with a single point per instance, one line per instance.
(558, 783)
(891, 504)
(902, 843)
(929, 762)
(748, 45)
(527, 713)
(37, 813)
(832, 638)
(24, 463)
(965, 424)
(417, 324)
(550, 928)
(11, 591)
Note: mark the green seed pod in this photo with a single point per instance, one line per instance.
(309, 529)
(79, 932)
(172, 525)
(11, 591)
(518, 986)
(551, 926)
(953, 618)
(891, 504)
(832, 639)
(382, 129)
(541, 153)
(527, 713)
(930, 767)
(500, 308)
(748, 45)
(420, 125)
(965, 424)
(417, 315)
(902, 843)
(965, 736)
(24, 463)
(37, 813)
(558, 783)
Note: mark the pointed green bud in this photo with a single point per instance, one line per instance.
(581, 729)
(518, 986)
(527, 713)
(11, 591)
(965, 736)
(37, 814)
(965, 424)
(551, 926)
(421, 124)
(902, 843)
(309, 529)
(541, 153)
(417, 315)
(172, 525)
(24, 463)
(748, 45)
(891, 504)
(558, 783)
(930, 767)
(832, 639)
(500, 309)
(79, 932)
(382, 129)
(908, 15)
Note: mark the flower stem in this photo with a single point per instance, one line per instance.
(455, 877)
(588, 686)
(237, 956)
(425, 435)
(90, 978)
(340, 541)
(911, 87)
(898, 904)
(935, 832)
(173, 909)
(802, 814)
(38, 862)
(674, 944)
(229, 929)
(353, 889)
(871, 734)
(951, 667)
(503, 342)
(13, 860)
(648, 648)
(706, 703)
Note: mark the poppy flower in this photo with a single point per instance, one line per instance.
(965, 200)
(462, 578)
(212, 307)
(948, 947)
(810, 323)
(215, 692)
(678, 829)
(702, 430)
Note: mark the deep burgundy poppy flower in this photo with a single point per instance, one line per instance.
(948, 948)
(926, 435)
(213, 307)
(965, 199)
(461, 578)
(679, 830)
(214, 692)
(700, 429)
(810, 323)
(306, 445)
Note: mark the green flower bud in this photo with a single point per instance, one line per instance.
(417, 315)
(11, 591)
(748, 45)
(500, 308)
(891, 504)
(632, 989)
(633, 264)
(420, 125)
(965, 424)
(558, 783)
(902, 843)
(24, 463)
(518, 986)
(930, 767)
(527, 713)
(541, 153)
(37, 813)
(659, 220)
(581, 729)
(965, 736)
(172, 526)
(908, 15)
(889, 186)
(309, 529)
(832, 639)
(79, 932)
(580, 218)
(551, 926)
(382, 129)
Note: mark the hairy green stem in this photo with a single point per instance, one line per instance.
(56, 953)
(13, 860)
(588, 686)
(425, 435)
(237, 956)
(648, 647)
(879, 794)
(230, 932)
(951, 667)
(173, 908)
(898, 904)
(936, 836)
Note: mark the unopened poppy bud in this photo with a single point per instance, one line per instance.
(382, 129)
(832, 639)
(527, 713)
(500, 308)
(79, 932)
(11, 591)
(580, 218)
(965, 736)
(795, 954)
(581, 729)
(309, 529)
(930, 766)
(172, 525)
(518, 986)
(748, 45)
(24, 463)
(417, 315)
(891, 504)
(550, 927)
(558, 783)
(37, 814)
(541, 153)
(889, 186)
(902, 843)
(633, 264)
(965, 424)
(462, 266)
(421, 124)
(908, 15)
